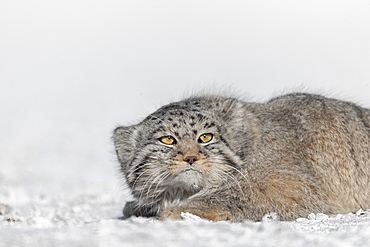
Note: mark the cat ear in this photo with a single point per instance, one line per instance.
(226, 106)
(125, 143)
(230, 108)
(239, 132)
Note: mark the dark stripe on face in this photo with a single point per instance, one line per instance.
(138, 169)
(230, 161)
(228, 158)
(224, 141)
(209, 125)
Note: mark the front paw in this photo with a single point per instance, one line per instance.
(173, 213)
(134, 208)
(214, 214)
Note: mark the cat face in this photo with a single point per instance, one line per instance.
(184, 146)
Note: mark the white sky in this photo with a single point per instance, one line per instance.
(71, 70)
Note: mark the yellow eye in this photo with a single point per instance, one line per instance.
(169, 140)
(204, 138)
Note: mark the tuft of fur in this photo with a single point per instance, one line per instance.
(293, 155)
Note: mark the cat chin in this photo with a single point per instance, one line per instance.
(188, 179)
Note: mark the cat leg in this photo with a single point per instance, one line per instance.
(216, 207)
(133, 208)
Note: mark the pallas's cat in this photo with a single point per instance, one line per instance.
(225, 159)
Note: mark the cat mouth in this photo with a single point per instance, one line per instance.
(190, 178)
(191, 170)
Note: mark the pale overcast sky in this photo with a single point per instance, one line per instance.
(71, 70)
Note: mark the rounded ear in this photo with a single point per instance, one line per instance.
(229, 108)
(241, 132)
(125, 143)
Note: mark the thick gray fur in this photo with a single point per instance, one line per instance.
(293, 155)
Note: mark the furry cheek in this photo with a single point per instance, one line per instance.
(176, 167)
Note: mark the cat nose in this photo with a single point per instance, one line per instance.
(191, 159)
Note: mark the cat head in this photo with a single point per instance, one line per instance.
(189, 145)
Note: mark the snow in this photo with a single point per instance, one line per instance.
(71, 71)
(89, 214)
(81, 219)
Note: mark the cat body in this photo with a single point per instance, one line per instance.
(226, 159)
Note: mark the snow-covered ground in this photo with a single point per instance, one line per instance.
(92, 219)
(71, 71)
